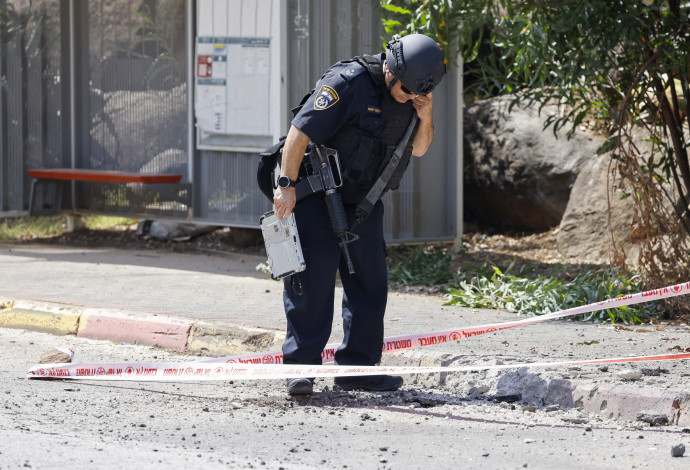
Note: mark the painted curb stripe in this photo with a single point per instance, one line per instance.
(269, 364)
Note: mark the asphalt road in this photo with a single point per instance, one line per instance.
(61, 424)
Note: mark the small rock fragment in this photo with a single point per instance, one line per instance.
(678, 450)
(629, 374)
(652, 417)
(57, 356)
(508, 398)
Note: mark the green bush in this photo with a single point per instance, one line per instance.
(490, 287)
(427, 265)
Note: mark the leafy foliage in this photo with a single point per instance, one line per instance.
(490, 287)
(443, 20)
(622, 65)
(426, 265)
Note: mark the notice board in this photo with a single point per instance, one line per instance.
(234, 96)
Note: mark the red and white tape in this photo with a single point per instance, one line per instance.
(193, 371)
(268, 365)
(402, 342)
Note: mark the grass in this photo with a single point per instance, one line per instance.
(21, 228)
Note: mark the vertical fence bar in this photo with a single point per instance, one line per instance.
(16, 118)
(3, 110)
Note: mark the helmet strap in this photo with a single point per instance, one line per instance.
(394, 80)
(392, 83)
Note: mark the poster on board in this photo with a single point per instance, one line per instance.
(233, 72)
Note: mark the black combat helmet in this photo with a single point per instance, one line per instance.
(417, 61)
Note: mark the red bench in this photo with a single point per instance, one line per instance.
(60, 175)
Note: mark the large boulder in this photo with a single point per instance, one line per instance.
(517, 174)
(589, 231)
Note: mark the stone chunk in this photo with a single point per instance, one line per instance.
(57, 356)
(652, 417)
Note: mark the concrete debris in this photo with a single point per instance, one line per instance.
(652, 417)
(678, 450)
(56, 356)
(629, 374)
(478, 390)
(530, 386)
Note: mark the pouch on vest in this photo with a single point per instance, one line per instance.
(265, 173)
(360, 168)
(270, 159)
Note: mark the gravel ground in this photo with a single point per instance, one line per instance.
(250, 424)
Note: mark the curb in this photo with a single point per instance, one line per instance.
(221, 339)
(61, 324)
(208, 339)
(619, 402)
(126, 328)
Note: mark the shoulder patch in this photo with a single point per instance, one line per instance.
(325, 98)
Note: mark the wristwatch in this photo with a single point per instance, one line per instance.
(285, 182)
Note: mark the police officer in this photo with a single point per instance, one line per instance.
(362, 108)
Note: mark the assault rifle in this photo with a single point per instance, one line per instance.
(326, 167)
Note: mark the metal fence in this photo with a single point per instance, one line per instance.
(105, 84)
(30, 96)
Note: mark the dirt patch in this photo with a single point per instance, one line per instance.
(531, 255)
(221, 240)
(537, 252)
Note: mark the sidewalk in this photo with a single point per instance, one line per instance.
(218, 305)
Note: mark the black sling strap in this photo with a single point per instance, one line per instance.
(367, 205)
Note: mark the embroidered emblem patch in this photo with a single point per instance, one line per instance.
(325, 98)
(374, 109)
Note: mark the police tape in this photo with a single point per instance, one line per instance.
(268, 364)
(186, 371)
(403, 342)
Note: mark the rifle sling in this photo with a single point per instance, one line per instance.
(367, 204)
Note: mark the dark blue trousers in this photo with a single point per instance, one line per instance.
(309, 299)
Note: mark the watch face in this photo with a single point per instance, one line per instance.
(284, 182)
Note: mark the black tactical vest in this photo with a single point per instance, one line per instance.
(365, 147)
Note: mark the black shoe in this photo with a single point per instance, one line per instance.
(372, 383)
(300, 386)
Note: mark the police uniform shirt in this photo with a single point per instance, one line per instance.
(344, 93)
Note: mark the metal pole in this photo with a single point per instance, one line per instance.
(72, 98)
(459, 199)
(190, 20)
(4, 154)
